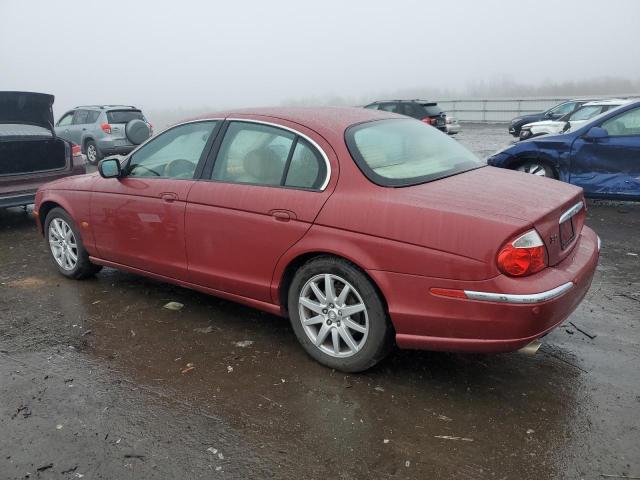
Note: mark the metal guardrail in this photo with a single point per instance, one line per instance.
(500, 110)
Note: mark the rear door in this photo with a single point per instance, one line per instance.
(610, 166)
(138, 219)
(259, 197)
(78, 126)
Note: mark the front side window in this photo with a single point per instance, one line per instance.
(373, 106)
(562, 109)
(173, 154)
(258, 154)
(389, 107)
(396, 153)
(66, 120)
(627, 123)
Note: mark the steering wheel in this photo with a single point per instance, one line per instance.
(145, 168)
(179, 168)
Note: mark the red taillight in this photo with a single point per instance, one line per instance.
(429, 120)
(523, 256)
(75, 150)
(106, 128)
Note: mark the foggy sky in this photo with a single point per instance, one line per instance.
(193, 54)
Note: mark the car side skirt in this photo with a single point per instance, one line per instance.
(257, 304)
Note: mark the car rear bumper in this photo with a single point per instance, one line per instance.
(499, 315)
(114, 147)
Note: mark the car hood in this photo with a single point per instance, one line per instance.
(544, 123)
(27, 108)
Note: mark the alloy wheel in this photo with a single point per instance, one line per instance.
(333, 315)
(92, 153)
(534, 169)
(63, 244)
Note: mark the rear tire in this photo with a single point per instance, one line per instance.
(65, 245)
(92, 152)
(348, 330)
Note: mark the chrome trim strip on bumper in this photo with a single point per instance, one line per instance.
(571, 212)
(512, 298)
(599, 242)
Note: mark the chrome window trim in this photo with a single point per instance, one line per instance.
(512, 298)
(296, 132)
(571, 212)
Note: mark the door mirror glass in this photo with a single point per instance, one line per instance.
(596, 133)
(109, 168)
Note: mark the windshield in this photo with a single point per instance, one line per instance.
(124, 116)
(396, 153)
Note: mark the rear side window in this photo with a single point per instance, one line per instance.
(432, 110)
(397, 153)
(306, 169)
(93, 116)
(80, 117)
(258, 154)
(372, 106)
(124, 116)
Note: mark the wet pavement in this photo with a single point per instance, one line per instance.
(98, 380)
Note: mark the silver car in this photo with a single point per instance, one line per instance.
(103, 130)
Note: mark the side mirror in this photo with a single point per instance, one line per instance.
(109, 168)
(596, 133)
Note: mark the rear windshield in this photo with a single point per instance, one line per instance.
(124, 116)
(432, 110)
(398, 152)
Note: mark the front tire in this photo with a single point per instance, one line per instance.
(536, 167)
(92, 152)
(338, 315)
(67, 251)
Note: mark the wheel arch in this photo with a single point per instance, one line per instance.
(85, 140)
(289, 271)
(43, 211)
(535, 156)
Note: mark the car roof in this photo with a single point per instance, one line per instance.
(611, 101)
(108, 107)
(320, 119)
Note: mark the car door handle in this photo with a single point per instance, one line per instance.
(169, 197)
(282, 215)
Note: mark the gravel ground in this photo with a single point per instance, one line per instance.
(96, 382)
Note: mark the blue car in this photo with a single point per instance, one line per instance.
(601, 156)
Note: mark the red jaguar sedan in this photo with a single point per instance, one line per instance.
(363, 227)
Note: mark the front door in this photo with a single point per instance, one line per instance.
(138, 219)
(610, 166)
(259, 198)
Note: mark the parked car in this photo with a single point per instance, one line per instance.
(452, 124)
(427, 112)
(104, 129)
(249, 206)
(602, 156)
(30, 152)
(554, 113)
(572, 120)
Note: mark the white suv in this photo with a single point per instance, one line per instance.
(572, 120)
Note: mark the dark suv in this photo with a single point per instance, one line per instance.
(103, 130)
(428, 112)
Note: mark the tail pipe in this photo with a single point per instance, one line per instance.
(531, 348)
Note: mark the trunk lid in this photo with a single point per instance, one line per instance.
(27, 108)
(495, 192)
